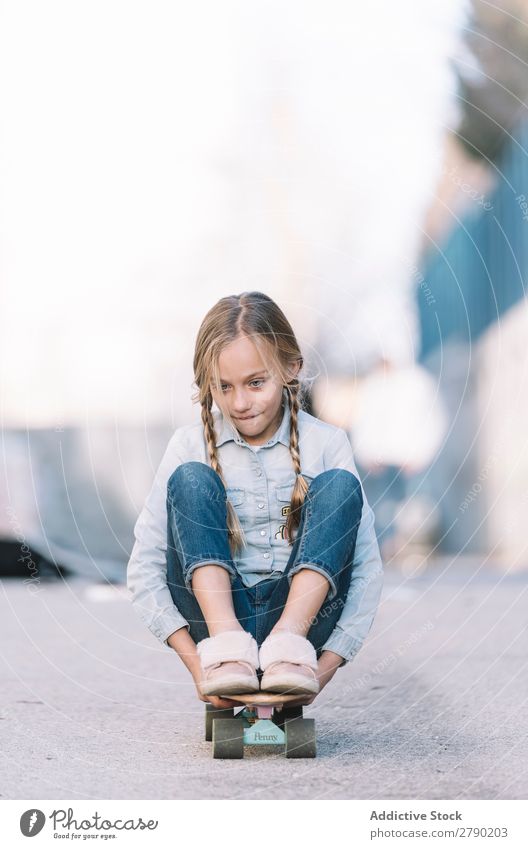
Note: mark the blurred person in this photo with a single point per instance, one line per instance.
(399, 425)
(407, 397)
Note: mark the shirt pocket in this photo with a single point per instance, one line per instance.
(237, 497)
(283, 494)
(283, 497)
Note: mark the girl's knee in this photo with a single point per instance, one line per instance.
(191, 476)
(340, 483)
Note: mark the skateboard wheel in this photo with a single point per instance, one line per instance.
(213, 713)
(228, 738)
(287, 713)
(300, 738)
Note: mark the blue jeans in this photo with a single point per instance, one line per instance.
(325, 541)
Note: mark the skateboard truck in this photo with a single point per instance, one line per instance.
(265, 720)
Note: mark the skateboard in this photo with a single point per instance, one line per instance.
(265, 720)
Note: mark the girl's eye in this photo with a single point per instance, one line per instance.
(258, 381)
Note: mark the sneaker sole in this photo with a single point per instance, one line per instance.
(229, 686)
(291, 685)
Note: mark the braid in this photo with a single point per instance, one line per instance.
(300, 487)
(234, 529)
(210, 434)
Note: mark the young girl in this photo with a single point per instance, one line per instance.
(255, 553)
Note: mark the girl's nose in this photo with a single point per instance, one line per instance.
(241, 403)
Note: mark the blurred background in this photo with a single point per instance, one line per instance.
(364, 165)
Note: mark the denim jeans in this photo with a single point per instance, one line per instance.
(325, 541)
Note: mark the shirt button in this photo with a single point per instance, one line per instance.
(266, 555)
(259, 472)
(263, 533)
(260, 506)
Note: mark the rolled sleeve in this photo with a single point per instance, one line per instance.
(366, 580)
(147, 566)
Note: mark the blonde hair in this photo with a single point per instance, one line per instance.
(257, 316)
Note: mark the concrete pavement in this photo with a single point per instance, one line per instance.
(434, 706)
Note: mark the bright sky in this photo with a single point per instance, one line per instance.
(157, 156)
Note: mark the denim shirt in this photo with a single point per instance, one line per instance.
(259, 482)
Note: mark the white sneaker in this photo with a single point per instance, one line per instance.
(229, 664)
(289, 663)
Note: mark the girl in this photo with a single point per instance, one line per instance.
(255, 553)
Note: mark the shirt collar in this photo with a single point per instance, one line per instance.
(282, 434)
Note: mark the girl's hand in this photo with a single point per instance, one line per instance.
(183, 644)
(327, 666)
(216, 701)
(219, 702)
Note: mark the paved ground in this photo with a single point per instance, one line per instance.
(434, 706)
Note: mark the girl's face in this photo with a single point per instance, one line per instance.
(248, 391)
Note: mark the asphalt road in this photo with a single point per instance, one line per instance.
(433, 707)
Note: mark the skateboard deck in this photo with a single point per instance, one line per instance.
(262, 698)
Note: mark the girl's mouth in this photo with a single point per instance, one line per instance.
(246, 418)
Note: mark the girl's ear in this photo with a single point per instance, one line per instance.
(294, 369)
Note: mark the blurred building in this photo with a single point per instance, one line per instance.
(474, 325)
(469, 280)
